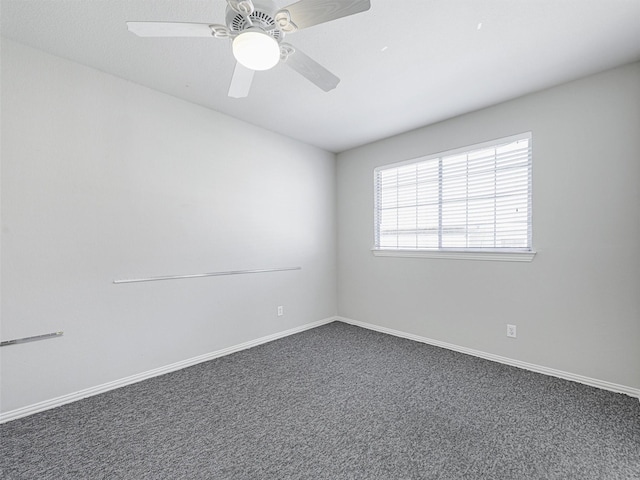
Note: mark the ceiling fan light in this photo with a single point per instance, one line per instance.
(256, 50)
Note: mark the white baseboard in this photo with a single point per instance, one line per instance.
(89, 392)
(593, 382)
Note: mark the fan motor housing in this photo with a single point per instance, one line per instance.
(262, 17)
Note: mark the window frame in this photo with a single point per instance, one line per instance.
(511, 254)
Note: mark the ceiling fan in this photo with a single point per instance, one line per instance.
(257, 29)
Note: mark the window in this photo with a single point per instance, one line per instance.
(474, 199)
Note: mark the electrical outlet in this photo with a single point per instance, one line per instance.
(511, 331)
(280, 310)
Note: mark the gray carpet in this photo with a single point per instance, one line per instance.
(336, 402)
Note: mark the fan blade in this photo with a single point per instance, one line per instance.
(312, 70)
(241, 81)
(307, 13)
(170, 29)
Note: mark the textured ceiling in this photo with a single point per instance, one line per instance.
(402, 64)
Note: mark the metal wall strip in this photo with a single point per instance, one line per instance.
(201, 275)
(30, 339)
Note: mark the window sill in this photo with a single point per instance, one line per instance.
(495, 256)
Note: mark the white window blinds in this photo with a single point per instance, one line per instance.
(472, 199)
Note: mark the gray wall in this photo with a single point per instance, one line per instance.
(104, 179)
(577, 305)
